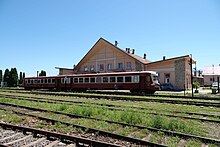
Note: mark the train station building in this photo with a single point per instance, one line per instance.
(107, 57)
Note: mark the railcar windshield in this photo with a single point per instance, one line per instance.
(155, 78)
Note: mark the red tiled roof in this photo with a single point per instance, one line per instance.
(142, 60)
(209, 70)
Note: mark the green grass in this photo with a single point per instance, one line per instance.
(8, 116)
(172, 141)
(121, 116)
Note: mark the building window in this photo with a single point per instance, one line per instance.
(211, 79)
(85, 68)
(120, 65)
(101, 67)
(167, 78)
(109, 66)
(92, 68)
(128, 65)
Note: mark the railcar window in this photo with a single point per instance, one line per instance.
(86, 80)
(119, 79)
(32, 81)
(112, 79)
(105, 79)
(75, 80)
(67, 80)
(135, 79)
(148, 79)
(49, 80)
(41, 81)
(98, 79)
(80, 80)
(38, 81)
(29, 81)
(127, 79)
(35, 81)
(53, 80)
(46, 81)
(71, 80)
(92, 80)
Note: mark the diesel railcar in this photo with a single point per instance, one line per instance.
(143, 81)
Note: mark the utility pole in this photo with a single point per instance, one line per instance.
(191, 74)
(218, 84)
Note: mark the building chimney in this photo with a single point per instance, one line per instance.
(145, 56)
(116, 43)
(133, 50)
(126, 49)
(164, 57)
(129, 50)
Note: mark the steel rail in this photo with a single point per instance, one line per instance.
(109, 97)
(167, 132)
(62, 137)
(121, 109)
(146, 99)
(104, 133)
(131, 94)
(112, 105)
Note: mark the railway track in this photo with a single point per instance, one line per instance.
(118, 140)
(121, 108)
(128, 94)
(168, 133)
(205, 103)
(14, 135)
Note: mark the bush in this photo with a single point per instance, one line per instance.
(196, 85)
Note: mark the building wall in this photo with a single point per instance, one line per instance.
(107, 59)
(180, 73)
(208, 79)
(165, 70)
(65, 71)
(176, 72)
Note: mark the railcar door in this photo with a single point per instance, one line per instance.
(145, 82)
(142, 82)
(57, 83)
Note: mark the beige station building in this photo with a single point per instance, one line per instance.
(107, 57)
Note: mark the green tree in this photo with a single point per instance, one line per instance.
(42, 73)
(20, 78)
(6, 77)
(23, 75)
(13, 81)
(0, 76)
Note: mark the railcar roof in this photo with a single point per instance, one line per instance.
(95, 74)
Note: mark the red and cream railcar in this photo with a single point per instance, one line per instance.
(144, 81)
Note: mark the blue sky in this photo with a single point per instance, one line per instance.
(44, 34)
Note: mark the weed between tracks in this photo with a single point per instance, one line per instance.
(173, 124)
(159, 137)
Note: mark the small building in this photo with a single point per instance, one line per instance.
(65, 71)
(107, 57)
(210, 74)
(176, 71)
